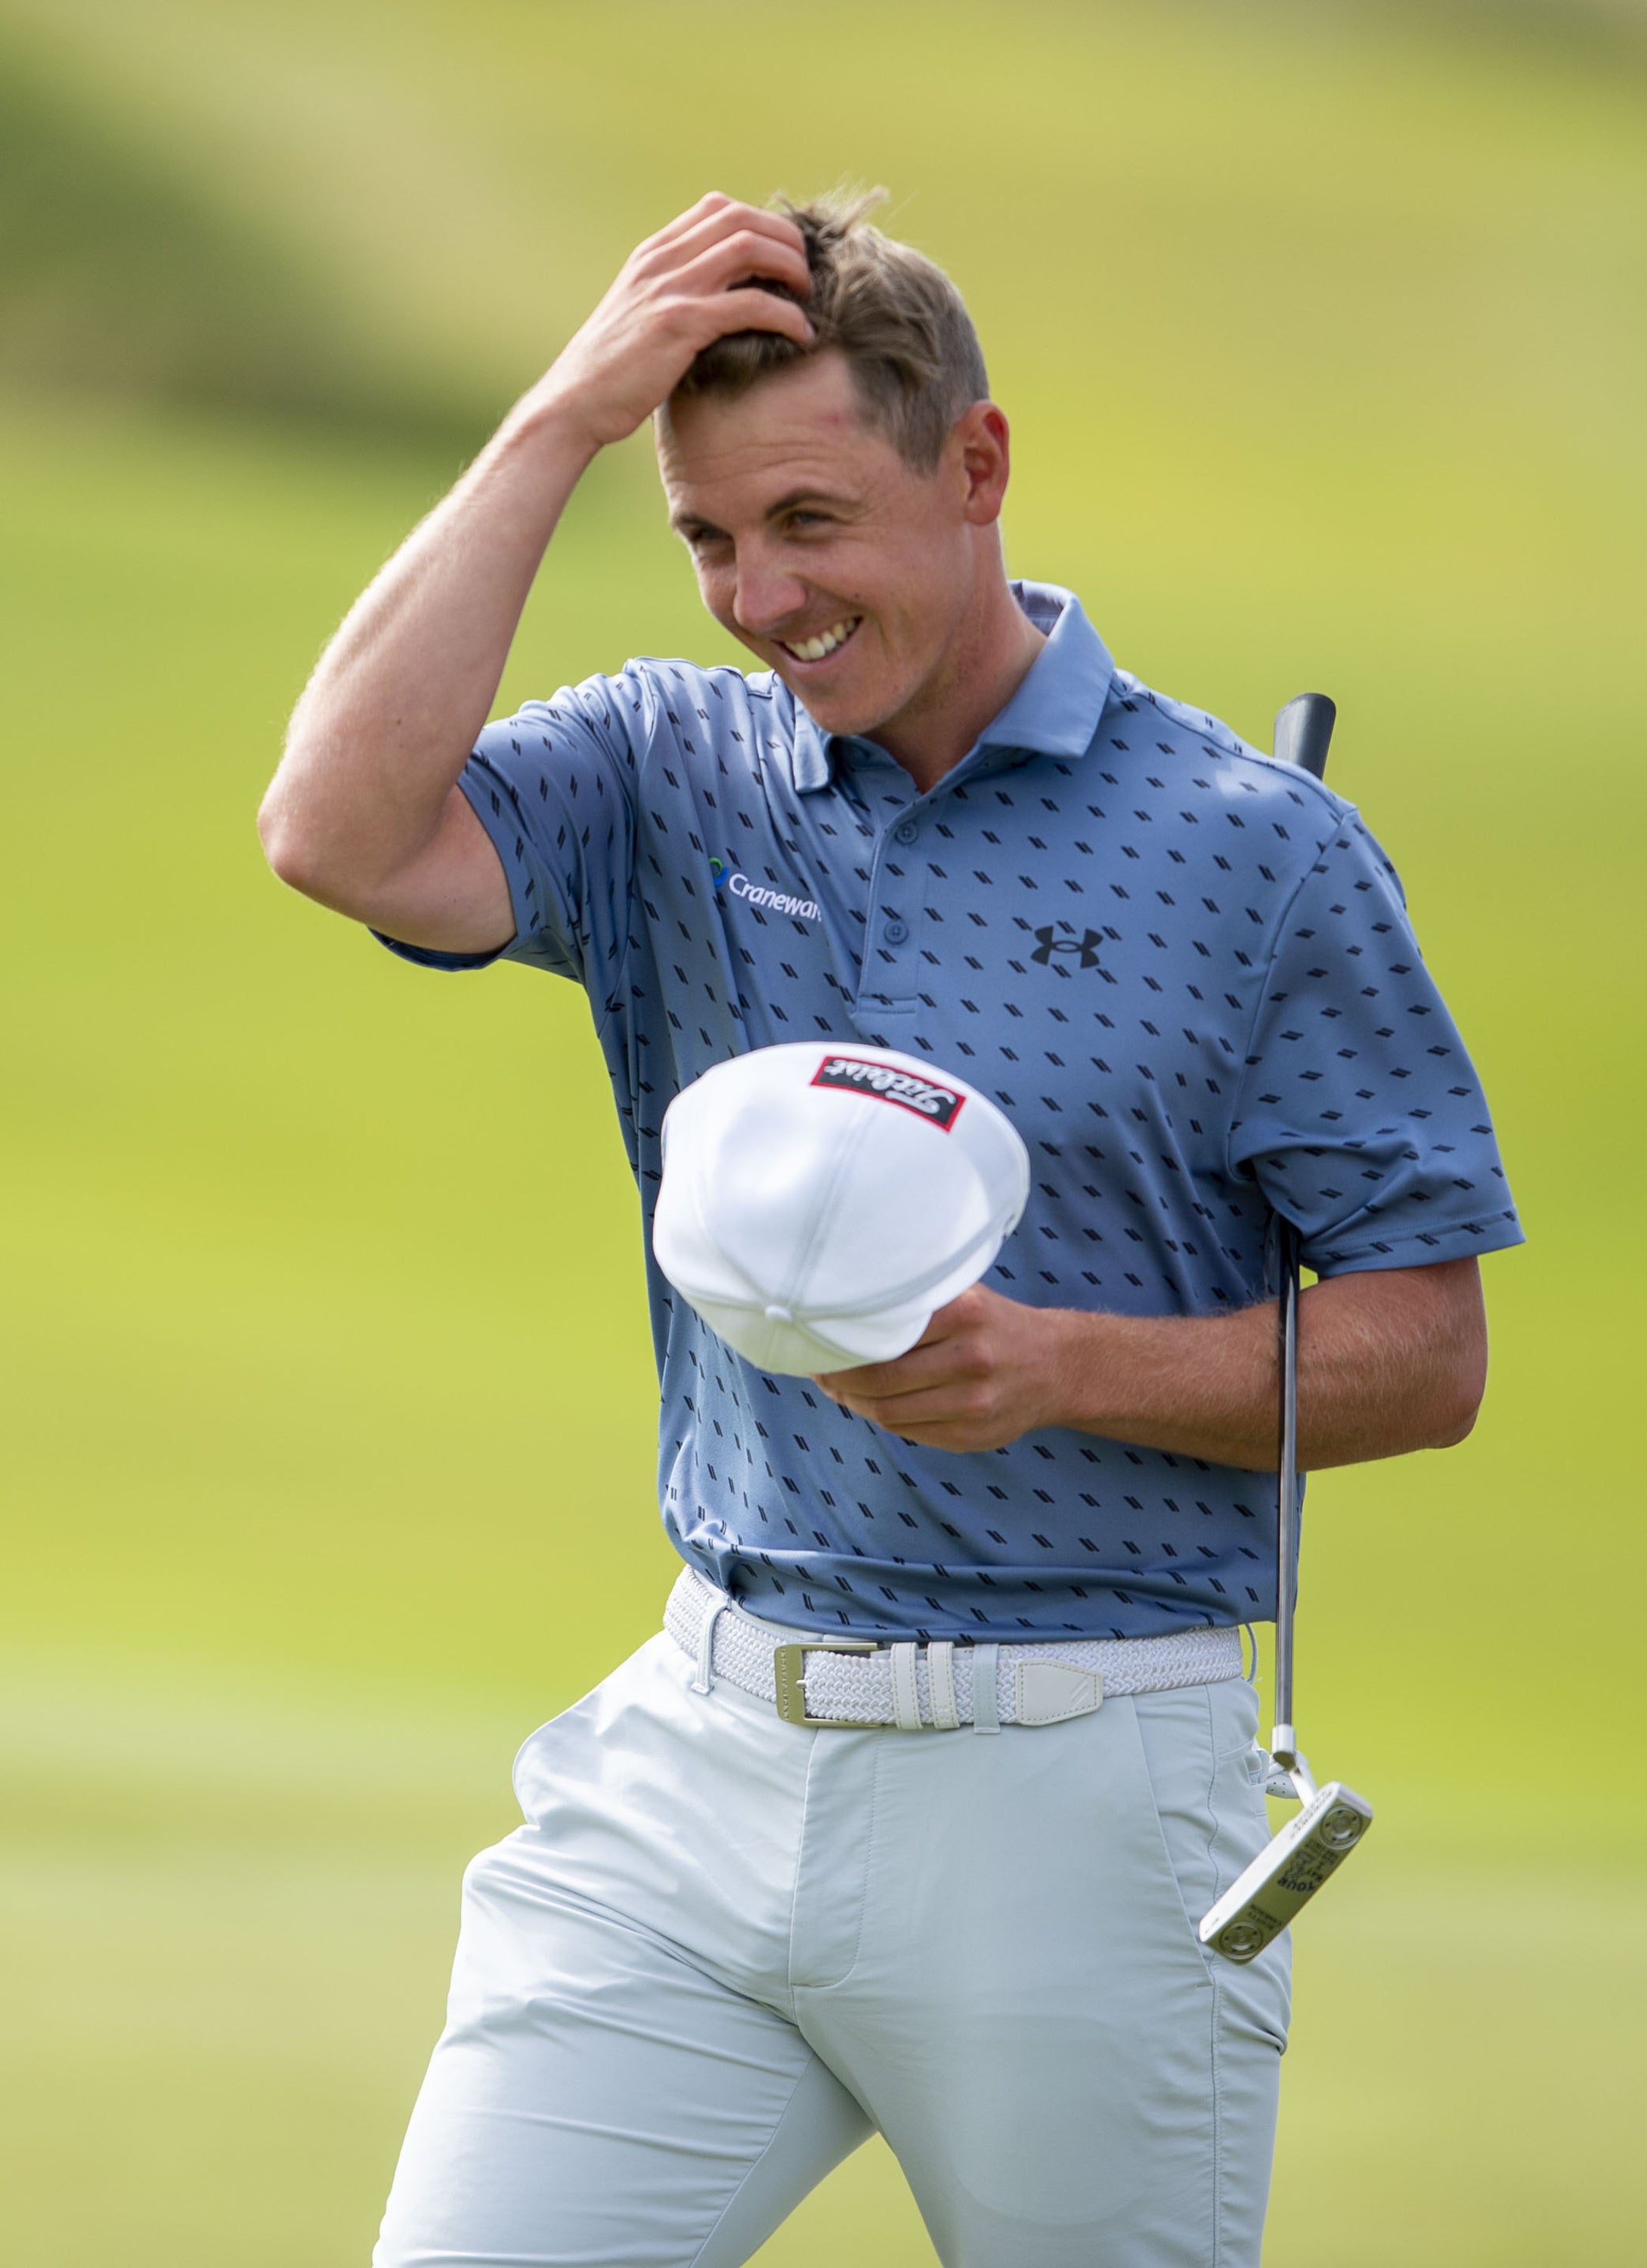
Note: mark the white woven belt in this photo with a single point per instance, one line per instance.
(940, 1686)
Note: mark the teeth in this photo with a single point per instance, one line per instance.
(815, 648)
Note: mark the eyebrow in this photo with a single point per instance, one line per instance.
(681, 520)
(802, 495)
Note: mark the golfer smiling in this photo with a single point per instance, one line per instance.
(726, 1945)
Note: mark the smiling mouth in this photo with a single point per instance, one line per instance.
(826, 643)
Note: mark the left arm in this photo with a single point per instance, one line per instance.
(1390, 1359)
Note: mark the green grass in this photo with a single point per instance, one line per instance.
(327, 1399)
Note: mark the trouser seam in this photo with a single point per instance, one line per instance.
(799, 1986)
(760, 2158)
(795, 1886)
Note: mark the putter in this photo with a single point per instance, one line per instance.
(1291, 1867)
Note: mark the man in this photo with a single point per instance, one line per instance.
(937, 818)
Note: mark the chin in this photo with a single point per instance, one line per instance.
(847, 710)
(837, 715)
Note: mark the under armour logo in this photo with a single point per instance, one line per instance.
(1048, 943)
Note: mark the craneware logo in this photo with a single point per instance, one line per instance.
(939, 1106)
(756, 894)
(1058, 943)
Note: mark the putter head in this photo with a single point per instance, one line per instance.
(1287, 1873)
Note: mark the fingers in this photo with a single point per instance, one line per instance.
(923, 1368)
(696, 275)
(948, 1349)
(963, 1437)
(766, 238)
(934, 1405)
(712, 201)
(973, 1306)
(709, 209)
(935, 1423)
(734, 259)
(912, 1395)
(754, 310)
(945, 1394)
(683, 289)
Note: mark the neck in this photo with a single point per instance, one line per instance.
(987, 660)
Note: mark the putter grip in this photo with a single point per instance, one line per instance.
(1304, 732)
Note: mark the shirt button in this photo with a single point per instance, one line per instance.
(906, 831)
(896, 930)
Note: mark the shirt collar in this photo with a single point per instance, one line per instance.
(1055, 711)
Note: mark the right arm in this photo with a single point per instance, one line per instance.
(364, 813)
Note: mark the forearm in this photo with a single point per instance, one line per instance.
(1389, 1360)
(1388, 1363)
(389, 717)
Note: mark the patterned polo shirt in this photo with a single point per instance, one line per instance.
(1184, 971)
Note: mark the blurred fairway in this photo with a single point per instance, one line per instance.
(329, 1402)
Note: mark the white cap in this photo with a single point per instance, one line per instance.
(818, 1204)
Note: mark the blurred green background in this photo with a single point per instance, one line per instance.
(329, 1407)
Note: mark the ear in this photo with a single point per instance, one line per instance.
(982, 441)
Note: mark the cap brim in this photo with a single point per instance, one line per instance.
(791, 1350)
(801, 1348)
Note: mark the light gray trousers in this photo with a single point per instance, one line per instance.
(724, 1949)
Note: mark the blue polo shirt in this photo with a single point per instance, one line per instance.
(1185, 972)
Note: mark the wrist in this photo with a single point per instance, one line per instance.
(550, 430)
(1080, 1359)
(566, 414)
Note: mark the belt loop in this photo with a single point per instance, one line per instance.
(940, 1673)
(704, 1680)
(1251, 1675)
(905, 1694)
(986, 1712)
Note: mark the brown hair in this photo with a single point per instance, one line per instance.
(895, 316)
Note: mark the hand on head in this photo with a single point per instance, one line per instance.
(721, 267)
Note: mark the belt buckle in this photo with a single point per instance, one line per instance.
(789, 1674)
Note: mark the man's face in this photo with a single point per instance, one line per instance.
(818, 546)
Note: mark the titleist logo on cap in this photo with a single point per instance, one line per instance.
(939, 1106)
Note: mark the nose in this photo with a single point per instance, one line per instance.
(767, 596)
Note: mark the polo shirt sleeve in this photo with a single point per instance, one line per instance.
(553, 786)
(1360, 1113)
